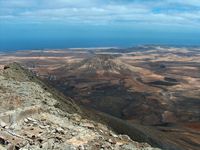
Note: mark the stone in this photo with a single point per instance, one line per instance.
(129, 147)
(3, 140)
(35, 123)
(60, 130)
(88, 125)
(45, 145)
(101, 131)
(26, 120)
(124, 137)
(76, 117)
(68, 147)
(31, 119)
(111, 141)
(102, 127)
(106, 145)
(113, 135)
(42, 127)
(3, 124)
(73, 133)
(14, 126)
(81, 147)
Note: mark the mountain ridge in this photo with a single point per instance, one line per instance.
(34, 116)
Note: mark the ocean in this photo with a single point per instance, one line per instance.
(61, 43)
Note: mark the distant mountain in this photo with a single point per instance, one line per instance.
(97, 65)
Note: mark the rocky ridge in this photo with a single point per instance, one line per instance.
(31, 118)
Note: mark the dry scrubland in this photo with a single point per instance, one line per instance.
(149, 86)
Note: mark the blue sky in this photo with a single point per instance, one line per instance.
(131, 20)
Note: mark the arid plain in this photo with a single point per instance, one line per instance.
(153, 86)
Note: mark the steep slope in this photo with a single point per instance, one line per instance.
(34, 116)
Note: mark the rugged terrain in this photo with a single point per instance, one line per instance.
(151, 93)
(34, 116)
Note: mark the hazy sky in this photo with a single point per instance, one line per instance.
(147, 21)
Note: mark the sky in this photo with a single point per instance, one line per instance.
(35, 24)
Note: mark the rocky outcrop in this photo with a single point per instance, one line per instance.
(34, 116)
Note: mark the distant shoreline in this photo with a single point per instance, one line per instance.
(101, 48)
